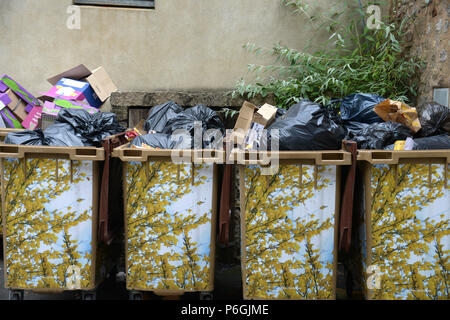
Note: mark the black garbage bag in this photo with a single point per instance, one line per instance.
(186, 121)
(27, 137)
(159, 116)
(435, 120)
(162, 141)
(379, 135)
(433, 143)
(359, 107)
(440, 142)
(58, 134)
(280, 113)
(307, 126)
(354, 127)
(62, 134)
(91, 128)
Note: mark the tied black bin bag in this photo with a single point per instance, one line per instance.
(159, 116)
(358, 107)
(93, 128)
(28, 137)
(307, 126)
(72, 128)
(379, 135)
(59, 134)
(62, 134)
(186, 120)
(435, 120)
(440, 142)
(161, 141)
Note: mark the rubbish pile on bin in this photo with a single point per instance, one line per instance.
(66, 115)
(370, 120)
(378, 123)
(166, 123)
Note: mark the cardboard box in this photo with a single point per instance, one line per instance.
(243, 122)
(101, 83)
(70, 89)
(251, 122)
(265, 115)
(98, 78)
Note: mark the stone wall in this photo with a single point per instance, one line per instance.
(428, 37)
(131, 105)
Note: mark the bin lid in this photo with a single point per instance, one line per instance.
(403, 156)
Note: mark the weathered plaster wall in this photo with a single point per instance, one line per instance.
(181, 44)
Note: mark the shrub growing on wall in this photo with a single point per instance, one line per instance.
(356, 58)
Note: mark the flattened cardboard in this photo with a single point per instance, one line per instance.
(19, 90)
(75, 105)
(9, 119)
(53, 108)
(50, 109)
(31, 122)
(49, 114)
(76, 73)
(3, 87)
(17, 105)
(4, 100)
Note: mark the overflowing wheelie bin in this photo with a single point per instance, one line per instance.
(3, 133)
(289, 221)
(170, 210)
(50, 211)
(404, 224)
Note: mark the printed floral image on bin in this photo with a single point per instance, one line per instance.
(48, 223)
(410, 238)
(169, 208)
(289, 232)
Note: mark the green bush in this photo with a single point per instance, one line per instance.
(355, 59)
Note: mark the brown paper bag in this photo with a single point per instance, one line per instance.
(396, 111)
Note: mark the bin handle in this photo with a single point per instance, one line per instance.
(10, 150)
(210, 160)
(255, 162)
(87, 154)
(319, 158)
(390, 157)
(332, 158)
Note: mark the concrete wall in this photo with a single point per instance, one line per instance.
(181, 44)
